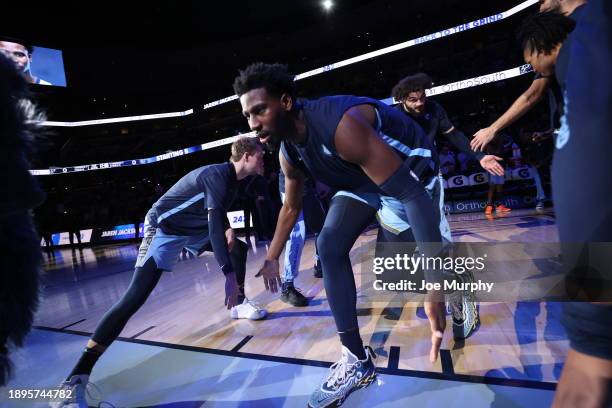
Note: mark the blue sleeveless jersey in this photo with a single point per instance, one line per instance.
(318, 155)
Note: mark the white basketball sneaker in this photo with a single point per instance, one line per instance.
(248, 310)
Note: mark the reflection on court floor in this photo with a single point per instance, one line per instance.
(144, 375)
(195, 354)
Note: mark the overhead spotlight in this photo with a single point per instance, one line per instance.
(327, 4)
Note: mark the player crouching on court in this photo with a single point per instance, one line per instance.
(192, 214)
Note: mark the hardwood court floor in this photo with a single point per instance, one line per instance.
(138, 373)
(518, 341)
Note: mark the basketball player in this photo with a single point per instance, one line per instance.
(542, 83)
(582, 192)
(410, 92)
(369, 150)
(191, 215)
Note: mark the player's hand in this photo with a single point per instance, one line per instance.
(482, 138)
(230, 238)
(271, 276)
(231, 290)
(490, 164)
(435, 309)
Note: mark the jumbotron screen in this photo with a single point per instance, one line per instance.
(38, 65)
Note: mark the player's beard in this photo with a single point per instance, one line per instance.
(284, 129)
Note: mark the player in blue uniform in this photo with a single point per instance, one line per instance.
(410, 92)
(368, 150)
(542, 84)
(581, 62)
(191, 215)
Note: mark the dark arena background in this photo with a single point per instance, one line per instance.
(122, 101)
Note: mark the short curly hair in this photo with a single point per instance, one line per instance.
(542, 32)
(412, 83)
(275, 78)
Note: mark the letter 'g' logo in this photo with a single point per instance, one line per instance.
(457, 180)
(524, 173)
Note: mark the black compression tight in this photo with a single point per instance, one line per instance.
(114, 320)
(345, 221)
(143, 282)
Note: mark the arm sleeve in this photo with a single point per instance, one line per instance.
(462, 143)
(215, 191)
(445, 123)
(455, 136)
(216, 232)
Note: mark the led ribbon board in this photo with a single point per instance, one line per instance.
(330, 67)
(438, 90)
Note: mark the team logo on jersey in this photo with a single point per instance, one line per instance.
(326, 150)
(523, 69)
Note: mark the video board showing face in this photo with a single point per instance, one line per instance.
(38, 65)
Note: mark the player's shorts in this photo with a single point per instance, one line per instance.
(165, 248)
(391, 215)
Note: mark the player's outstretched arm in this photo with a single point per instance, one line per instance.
(522, 105)
(220, 248)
